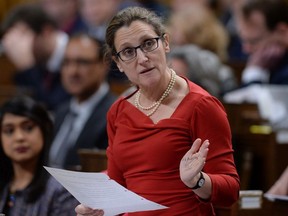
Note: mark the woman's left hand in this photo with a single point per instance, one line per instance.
(193, 162)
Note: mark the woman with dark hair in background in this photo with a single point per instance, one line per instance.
(26, 188)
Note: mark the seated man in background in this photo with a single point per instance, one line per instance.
(262, 26)
(81, 121)
(66, 14)
(35, 45)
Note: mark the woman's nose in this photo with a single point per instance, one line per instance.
(19, 134)
(141, 56)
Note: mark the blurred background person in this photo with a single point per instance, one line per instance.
(26, 188)
(157, 6)
(199, 44)
(203, 68)
(224, 11)
(196, 24)
(84, 74)
(35, 46)
(97, 13)
(262, 25)
(66, 14)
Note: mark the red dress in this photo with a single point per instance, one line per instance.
(144, 157)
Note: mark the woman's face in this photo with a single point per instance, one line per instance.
(22, 140)
(147, 68)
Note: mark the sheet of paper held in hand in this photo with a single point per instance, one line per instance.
(98, 191)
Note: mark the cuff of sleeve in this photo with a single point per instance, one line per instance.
(255, 74)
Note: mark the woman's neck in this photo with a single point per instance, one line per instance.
(23, 176)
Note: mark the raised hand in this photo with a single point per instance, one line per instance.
(193, 162)
(18, 46)
(268, 55)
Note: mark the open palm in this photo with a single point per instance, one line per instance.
(193, 162)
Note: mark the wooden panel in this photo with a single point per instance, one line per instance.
(6, 92)
(92, 160)
(259, 158)
(6, 5)
(7, 71)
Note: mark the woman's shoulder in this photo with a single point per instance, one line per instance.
(199, 96)
(196, 90)
(123, 98)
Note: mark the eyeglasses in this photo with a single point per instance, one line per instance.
(146, 46)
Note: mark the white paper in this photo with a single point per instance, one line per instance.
(273, 197)
(98, 191)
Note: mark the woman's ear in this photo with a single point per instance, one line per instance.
(166, 42)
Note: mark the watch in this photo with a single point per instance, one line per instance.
(200, 182)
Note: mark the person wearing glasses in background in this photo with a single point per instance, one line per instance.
(169, 140)
(81, 121)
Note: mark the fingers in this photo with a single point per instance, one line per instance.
(82, 210)
(203, 151)
(197, 148)
(196, 145)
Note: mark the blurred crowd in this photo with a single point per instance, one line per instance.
(57, 50)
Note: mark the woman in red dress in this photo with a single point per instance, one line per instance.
(169, 140)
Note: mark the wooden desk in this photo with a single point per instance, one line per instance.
(269, 208)
(259, 158)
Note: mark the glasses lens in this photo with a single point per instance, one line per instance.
(150, 45)
(127, 54)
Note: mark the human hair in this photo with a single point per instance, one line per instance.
(26, 107)
(274, 11)
(124, 18)
(198, 25)
(30, 14)
(100, 48)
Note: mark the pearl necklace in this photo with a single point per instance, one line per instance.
(156, 104)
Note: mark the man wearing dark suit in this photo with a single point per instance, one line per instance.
(81, 122)
(262, 27)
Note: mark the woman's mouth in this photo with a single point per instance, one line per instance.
(21, 149)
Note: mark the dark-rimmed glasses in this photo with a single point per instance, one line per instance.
(146, 46)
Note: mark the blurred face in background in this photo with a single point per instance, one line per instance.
(82, 71)
(98, 12)
(63, 11)
(252, 31)
(22, 139)
(178, 5)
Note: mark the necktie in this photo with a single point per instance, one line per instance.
(63, 141)
(48, 80)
